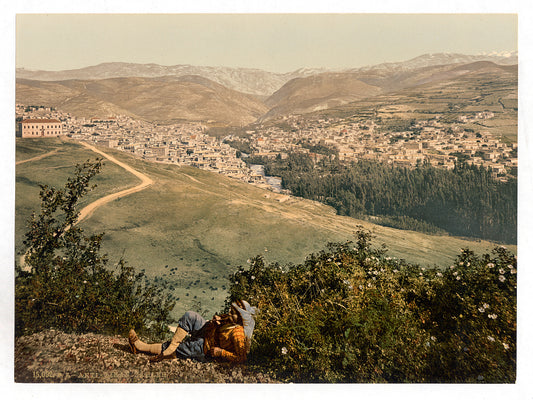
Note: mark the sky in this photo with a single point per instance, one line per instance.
(274, 42)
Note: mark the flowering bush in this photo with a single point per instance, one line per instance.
(353, 314)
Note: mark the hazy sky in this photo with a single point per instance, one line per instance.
(274, 42)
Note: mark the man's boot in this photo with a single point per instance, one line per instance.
(178, 337)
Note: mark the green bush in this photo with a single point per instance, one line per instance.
(66, 283)
(352, 314)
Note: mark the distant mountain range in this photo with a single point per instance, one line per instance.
(247, 80)
(236, 96)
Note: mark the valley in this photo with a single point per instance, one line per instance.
(193, 132)
(192, 228)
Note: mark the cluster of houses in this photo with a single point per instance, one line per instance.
(438, 143)
(182, 144)
(432, 141)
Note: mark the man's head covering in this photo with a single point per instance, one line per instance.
(247, 314)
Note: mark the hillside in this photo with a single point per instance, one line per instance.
(164, 99)
(323, 91)
(234, 96)
(329, 91)
(444, 91)
(192, 228)
(56, 357)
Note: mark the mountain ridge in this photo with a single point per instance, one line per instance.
(247, 80)
(200, 97)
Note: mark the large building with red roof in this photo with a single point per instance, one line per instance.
(40, 127)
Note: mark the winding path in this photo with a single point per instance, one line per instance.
(88, 210)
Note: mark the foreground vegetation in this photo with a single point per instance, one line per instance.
(353, 314)
(348, 314)
(66, 283)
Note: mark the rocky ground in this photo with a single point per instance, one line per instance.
(53, 356)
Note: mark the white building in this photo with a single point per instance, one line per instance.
(41, 127)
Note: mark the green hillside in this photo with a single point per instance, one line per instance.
(193, 228)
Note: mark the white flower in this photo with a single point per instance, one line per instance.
(491, 339)
(361, 287)
(481, 309)
(395, 271)
(501, 271)
(501, 278)
(490, 265)
(485, 305)
(455, 273)
(492, 316)
(284, 350)
(468, 264)
(458, 278)
(84, 281)
(433, 338)
(252, 277)
(439, 274)
(461, 263)
(505, 346)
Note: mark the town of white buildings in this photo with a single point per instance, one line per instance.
(181, 144)
(440, 144)
(189, 144)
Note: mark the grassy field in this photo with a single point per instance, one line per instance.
(193, 228)
(53, 170)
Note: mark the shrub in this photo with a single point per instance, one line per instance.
(353, 314)
(66, 282)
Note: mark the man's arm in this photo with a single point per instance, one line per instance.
(239, 344)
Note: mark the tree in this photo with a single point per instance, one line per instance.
(66, 283)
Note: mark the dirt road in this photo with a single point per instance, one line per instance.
(145, 182)
(88, 210)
